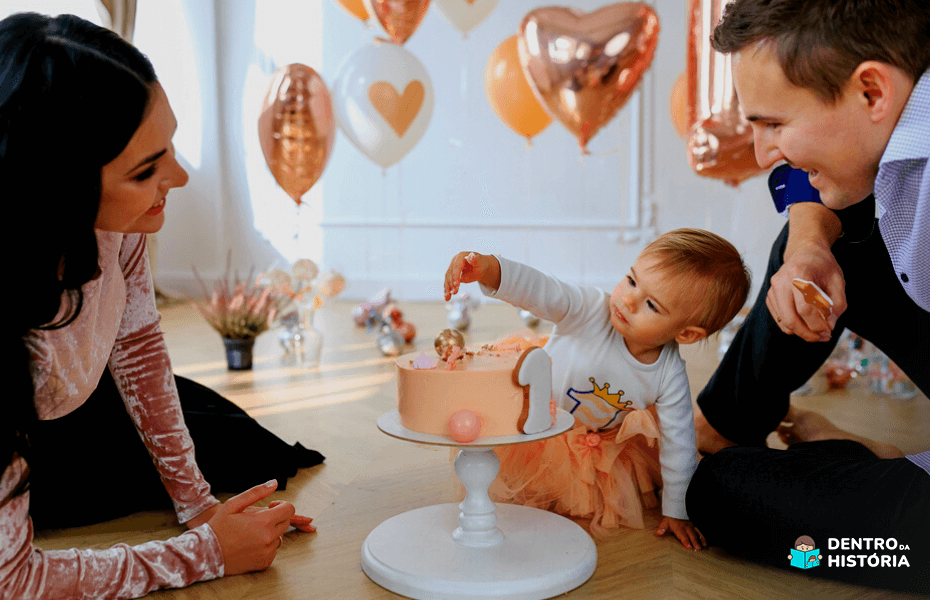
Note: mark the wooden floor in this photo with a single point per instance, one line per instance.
(369, 476)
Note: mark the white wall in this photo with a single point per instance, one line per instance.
(470, 183)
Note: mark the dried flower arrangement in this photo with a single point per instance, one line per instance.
(239, 309)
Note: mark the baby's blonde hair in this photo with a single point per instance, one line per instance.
(704, 262)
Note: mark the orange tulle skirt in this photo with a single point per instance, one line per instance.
(608, 477)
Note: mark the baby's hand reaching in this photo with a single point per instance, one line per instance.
(685, 531)
(467, 267)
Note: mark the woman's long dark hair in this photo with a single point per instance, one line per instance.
(72, 95)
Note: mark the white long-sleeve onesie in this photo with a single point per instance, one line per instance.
(595, 377)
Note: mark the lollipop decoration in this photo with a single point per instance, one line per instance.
(330, 283)
(301, 340)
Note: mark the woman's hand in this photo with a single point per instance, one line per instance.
(299, 522)
(249, 535)
(467, 267)
(685, 531)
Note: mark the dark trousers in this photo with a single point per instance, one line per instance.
(748, 395)
(91, 466)
(755, 501)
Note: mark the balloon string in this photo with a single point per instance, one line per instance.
(463, 85)
(583, 202)
(403, 217)
(527, 198)
(297, 230)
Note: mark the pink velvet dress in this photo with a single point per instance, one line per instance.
(118, 328)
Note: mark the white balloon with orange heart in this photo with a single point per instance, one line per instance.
(383, 99)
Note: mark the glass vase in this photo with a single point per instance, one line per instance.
(301, 340)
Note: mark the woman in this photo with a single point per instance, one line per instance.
(86, 162)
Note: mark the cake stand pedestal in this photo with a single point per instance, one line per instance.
(477, 549)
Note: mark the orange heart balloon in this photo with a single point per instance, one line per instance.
(400, 18)
(356, 8)
(585, 66)
(720, 143)
(296, 128)
(510, 95)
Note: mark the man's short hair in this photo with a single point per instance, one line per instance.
(819, 43)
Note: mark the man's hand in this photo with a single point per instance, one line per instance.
(808, 256)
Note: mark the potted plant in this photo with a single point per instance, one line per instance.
(239, 311)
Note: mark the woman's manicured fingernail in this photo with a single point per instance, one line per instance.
(271, 483)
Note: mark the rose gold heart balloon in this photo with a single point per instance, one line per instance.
(297, 129)
(400, 18)
(584, 66)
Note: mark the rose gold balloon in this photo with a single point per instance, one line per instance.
(584, 66)
(400, 18)
(720, 144)
(297, 129)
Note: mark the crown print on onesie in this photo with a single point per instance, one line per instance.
(598, 407)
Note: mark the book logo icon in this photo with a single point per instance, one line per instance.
(805, 554)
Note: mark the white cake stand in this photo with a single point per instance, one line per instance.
(477, 549)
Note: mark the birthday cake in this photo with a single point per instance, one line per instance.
(494, 390)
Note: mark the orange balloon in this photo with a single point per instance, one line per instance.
(585, 66)
(400, 18)
(297, 128)
(356, 8)
(510, 95)
(678, 105)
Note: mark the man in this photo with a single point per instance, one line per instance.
(839, 89)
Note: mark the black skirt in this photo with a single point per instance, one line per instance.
(91, 465)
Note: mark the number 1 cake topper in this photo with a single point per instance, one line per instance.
(534, 373)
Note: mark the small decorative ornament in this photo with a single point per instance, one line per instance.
(446, 341)
(459, 309)
(360, 314)
(304, 270)
(529, 319)
(330, 283)
(424, 362)
(390, 341)
(464, 426)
